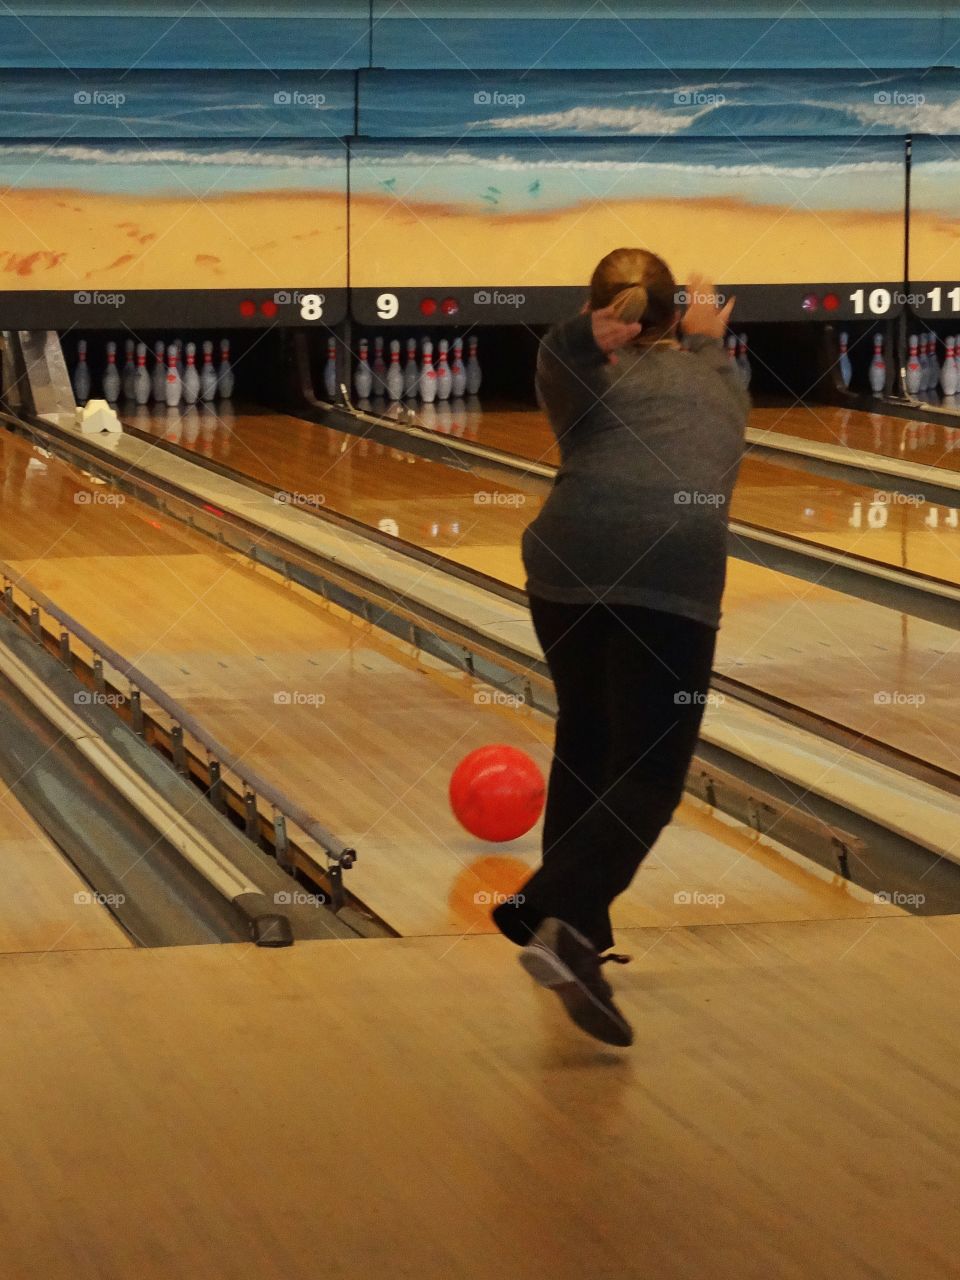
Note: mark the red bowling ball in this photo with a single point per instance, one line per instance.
(497, 793)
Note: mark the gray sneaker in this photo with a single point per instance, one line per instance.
(563, 960)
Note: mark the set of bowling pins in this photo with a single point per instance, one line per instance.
(451, 377)
(924, 372)
(738, 356)
(175, 376)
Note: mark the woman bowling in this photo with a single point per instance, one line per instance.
(625, 572)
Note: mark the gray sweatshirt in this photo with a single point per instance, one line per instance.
(650, 448)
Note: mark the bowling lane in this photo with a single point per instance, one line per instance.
(45, 906)
(352, 725)
(930, 443)
(892, 529)
(878, 673)
(472, 523)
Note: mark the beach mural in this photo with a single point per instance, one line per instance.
(539, 212)
(661, 103)
(935, 225)
(149, 215)
(674, 33)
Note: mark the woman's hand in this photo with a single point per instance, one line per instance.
(609, 332)
(703, 315)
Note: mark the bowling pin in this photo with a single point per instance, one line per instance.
(732, 351)
(225, 372)
(394, 379)
(474, 372)
(363, 375)
(208, 375)
(428, 375)
(444, 376)
(878, 366)
(949, 378)
(743, 361)
(914, 375)
(178, 343)
(81, 374)
(458, 371)
(111, 377)
(142, 384)
(174, 384)
(159, 379)
(379, 369)
(411, 373)
(924, 362)
(846, 369)
(129, 370)
(933, 363)
(191, 378)
(330, 370)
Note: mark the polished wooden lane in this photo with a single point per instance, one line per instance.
(44, 904)
(361, 732)
(467, 520)
(878, 673)
(409, 1108)
(930, 443)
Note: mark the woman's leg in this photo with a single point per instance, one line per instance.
(656, 674)
(571, 637)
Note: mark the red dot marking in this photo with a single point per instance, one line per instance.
(450, 306)
(428, 306)
(268, 307)
(248, 307)
(831, 302)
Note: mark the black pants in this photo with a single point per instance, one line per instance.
(631, 684)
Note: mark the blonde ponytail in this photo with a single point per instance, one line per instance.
(640, 288)
(630, 304)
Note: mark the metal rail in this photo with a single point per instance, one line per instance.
(182, 728)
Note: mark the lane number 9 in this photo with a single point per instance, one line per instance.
(387, 306)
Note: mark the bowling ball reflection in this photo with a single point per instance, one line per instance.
(483, 884)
